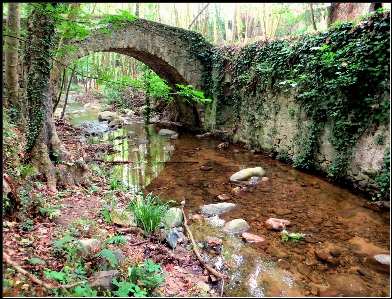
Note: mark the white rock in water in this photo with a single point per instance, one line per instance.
(236, 226)
(383, 258)
(246, 173)
(165, 132)
(215, 221)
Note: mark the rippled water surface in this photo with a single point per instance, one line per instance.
(334, 218)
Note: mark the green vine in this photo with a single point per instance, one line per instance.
(40, 40)
(340, 79)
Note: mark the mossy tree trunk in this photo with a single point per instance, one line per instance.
(42, 142)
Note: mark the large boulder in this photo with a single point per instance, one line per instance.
(246, 173)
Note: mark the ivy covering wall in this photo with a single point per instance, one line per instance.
(338, 80)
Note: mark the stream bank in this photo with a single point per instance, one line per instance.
(345, 232)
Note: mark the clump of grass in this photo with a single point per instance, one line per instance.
(149, 211)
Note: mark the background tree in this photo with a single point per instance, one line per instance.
(11, 57)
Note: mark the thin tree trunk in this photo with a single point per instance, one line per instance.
(60, 91)
(176, 19)
(11, 57)
(215, 26)
(312, 17)
(204, 29)
(67, 91)
(54, 74)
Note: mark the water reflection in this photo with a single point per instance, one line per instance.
(139, 152)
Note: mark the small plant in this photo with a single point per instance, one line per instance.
(69, 246)
(149, 211)
(26, 170)
(106, 214)
(293, 237)
(142, 280)
(109, 255)
(115, 240)
(380, 139)
(27, 225)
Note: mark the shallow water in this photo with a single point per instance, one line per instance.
(333, 217)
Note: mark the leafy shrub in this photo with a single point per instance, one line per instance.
(149, 211)
(142, 280)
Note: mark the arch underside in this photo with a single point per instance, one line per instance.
(159, 66)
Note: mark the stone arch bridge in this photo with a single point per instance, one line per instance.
(173, 53)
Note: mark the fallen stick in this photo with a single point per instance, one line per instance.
(208, 267)
(6, 258)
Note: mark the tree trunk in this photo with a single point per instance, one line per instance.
(67, 92)
(11, 57)
(204, 29)
(60, 91)
(54, 75)
(42, 141)
(312, 17)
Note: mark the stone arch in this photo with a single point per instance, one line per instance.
(163, 48)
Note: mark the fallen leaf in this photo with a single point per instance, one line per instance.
(169, 267)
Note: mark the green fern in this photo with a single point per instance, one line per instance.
(115, 240)
(62, 241)
(109, 255)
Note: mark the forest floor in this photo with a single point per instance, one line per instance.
(30, 246)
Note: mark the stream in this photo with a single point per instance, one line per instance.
(345, 236)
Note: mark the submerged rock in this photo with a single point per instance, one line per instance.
(251, 238)
(215, 221)
(380, 263)
(236, 226)
(216, 209)
(166, 132)
(275, 223)
(349, 285)
(246, 173)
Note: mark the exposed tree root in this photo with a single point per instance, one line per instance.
(208, 267)
(6, 258)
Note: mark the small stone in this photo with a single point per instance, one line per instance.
(213, 244)
(264, 179)
(282, 211)
(223, 197)
(303, 269)
(284, 264)
(275, 223)
(322, 255)
(205, 168)
(250, 238)
(334, 253)
(364, 272)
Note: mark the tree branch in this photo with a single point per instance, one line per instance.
(197, 16)
(208, 267)
(6, 258)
